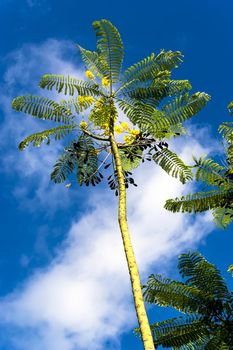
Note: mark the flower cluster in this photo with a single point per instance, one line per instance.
(83, 125)
(82, 100)
(124, 127)
(105, 82)
(90, 75)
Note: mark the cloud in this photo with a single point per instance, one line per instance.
(82, 299)
(32, 167)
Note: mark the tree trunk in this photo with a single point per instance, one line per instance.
(132, 265)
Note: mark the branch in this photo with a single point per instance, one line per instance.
(95, 136)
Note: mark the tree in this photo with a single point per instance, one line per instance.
(204, 299)
(218, 183)
(138, 92)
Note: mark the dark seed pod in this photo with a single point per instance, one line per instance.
(116, 192)
(100, 175)
(135, 185)
(107, 166)
(109, 177)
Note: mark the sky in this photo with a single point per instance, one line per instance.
(64, 283)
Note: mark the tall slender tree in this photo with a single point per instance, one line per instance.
(217, 178)
(143, 93)
(204, 300)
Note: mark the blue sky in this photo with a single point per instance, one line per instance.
(64, 283)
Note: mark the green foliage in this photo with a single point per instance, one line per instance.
(230, 268)
(130, 163)
(203, 297)
(222, 217)
(146, 93)
(200, 201)
(218, 181)
(178, 331)
(43, 108)
(110, 49)
(153, 93)
(93, 62)
(82, 156)
(150, 67)
(226, 129)
(36, 139)
(140, 114)
(182, 108)
(68, 85)
(230, 107)
(64, 166)
(173, 165)
(210, 172)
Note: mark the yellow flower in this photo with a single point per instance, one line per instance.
(83, 125)
(99, 103)
(125, 126)
(118, 129)
(90, 75)
(105, 82)
(87, 99)
(127, 139)
(81, 99)
(105, 126)
(68, 185)
(134, 132)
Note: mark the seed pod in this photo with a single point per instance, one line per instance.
(107, 166)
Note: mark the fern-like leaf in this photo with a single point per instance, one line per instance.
(223, 217)
(109, 48)
(68, 85)
(182, 108)
(173, 165)
(226, 129)
(127, 163)
(43, 108)
(64, 166)
(210, 172)
(87, 162)
(230, 107)
(200, 201)
(188, 333)
(167, 292)
(216, 343)
(92, 60)
(202, 274)
(143, 115)
(155, 92)
(37, 138)
(149, 67)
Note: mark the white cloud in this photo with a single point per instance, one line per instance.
(83, 298)
(32, 166)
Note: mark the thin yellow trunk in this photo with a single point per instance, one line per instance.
(132, 265)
